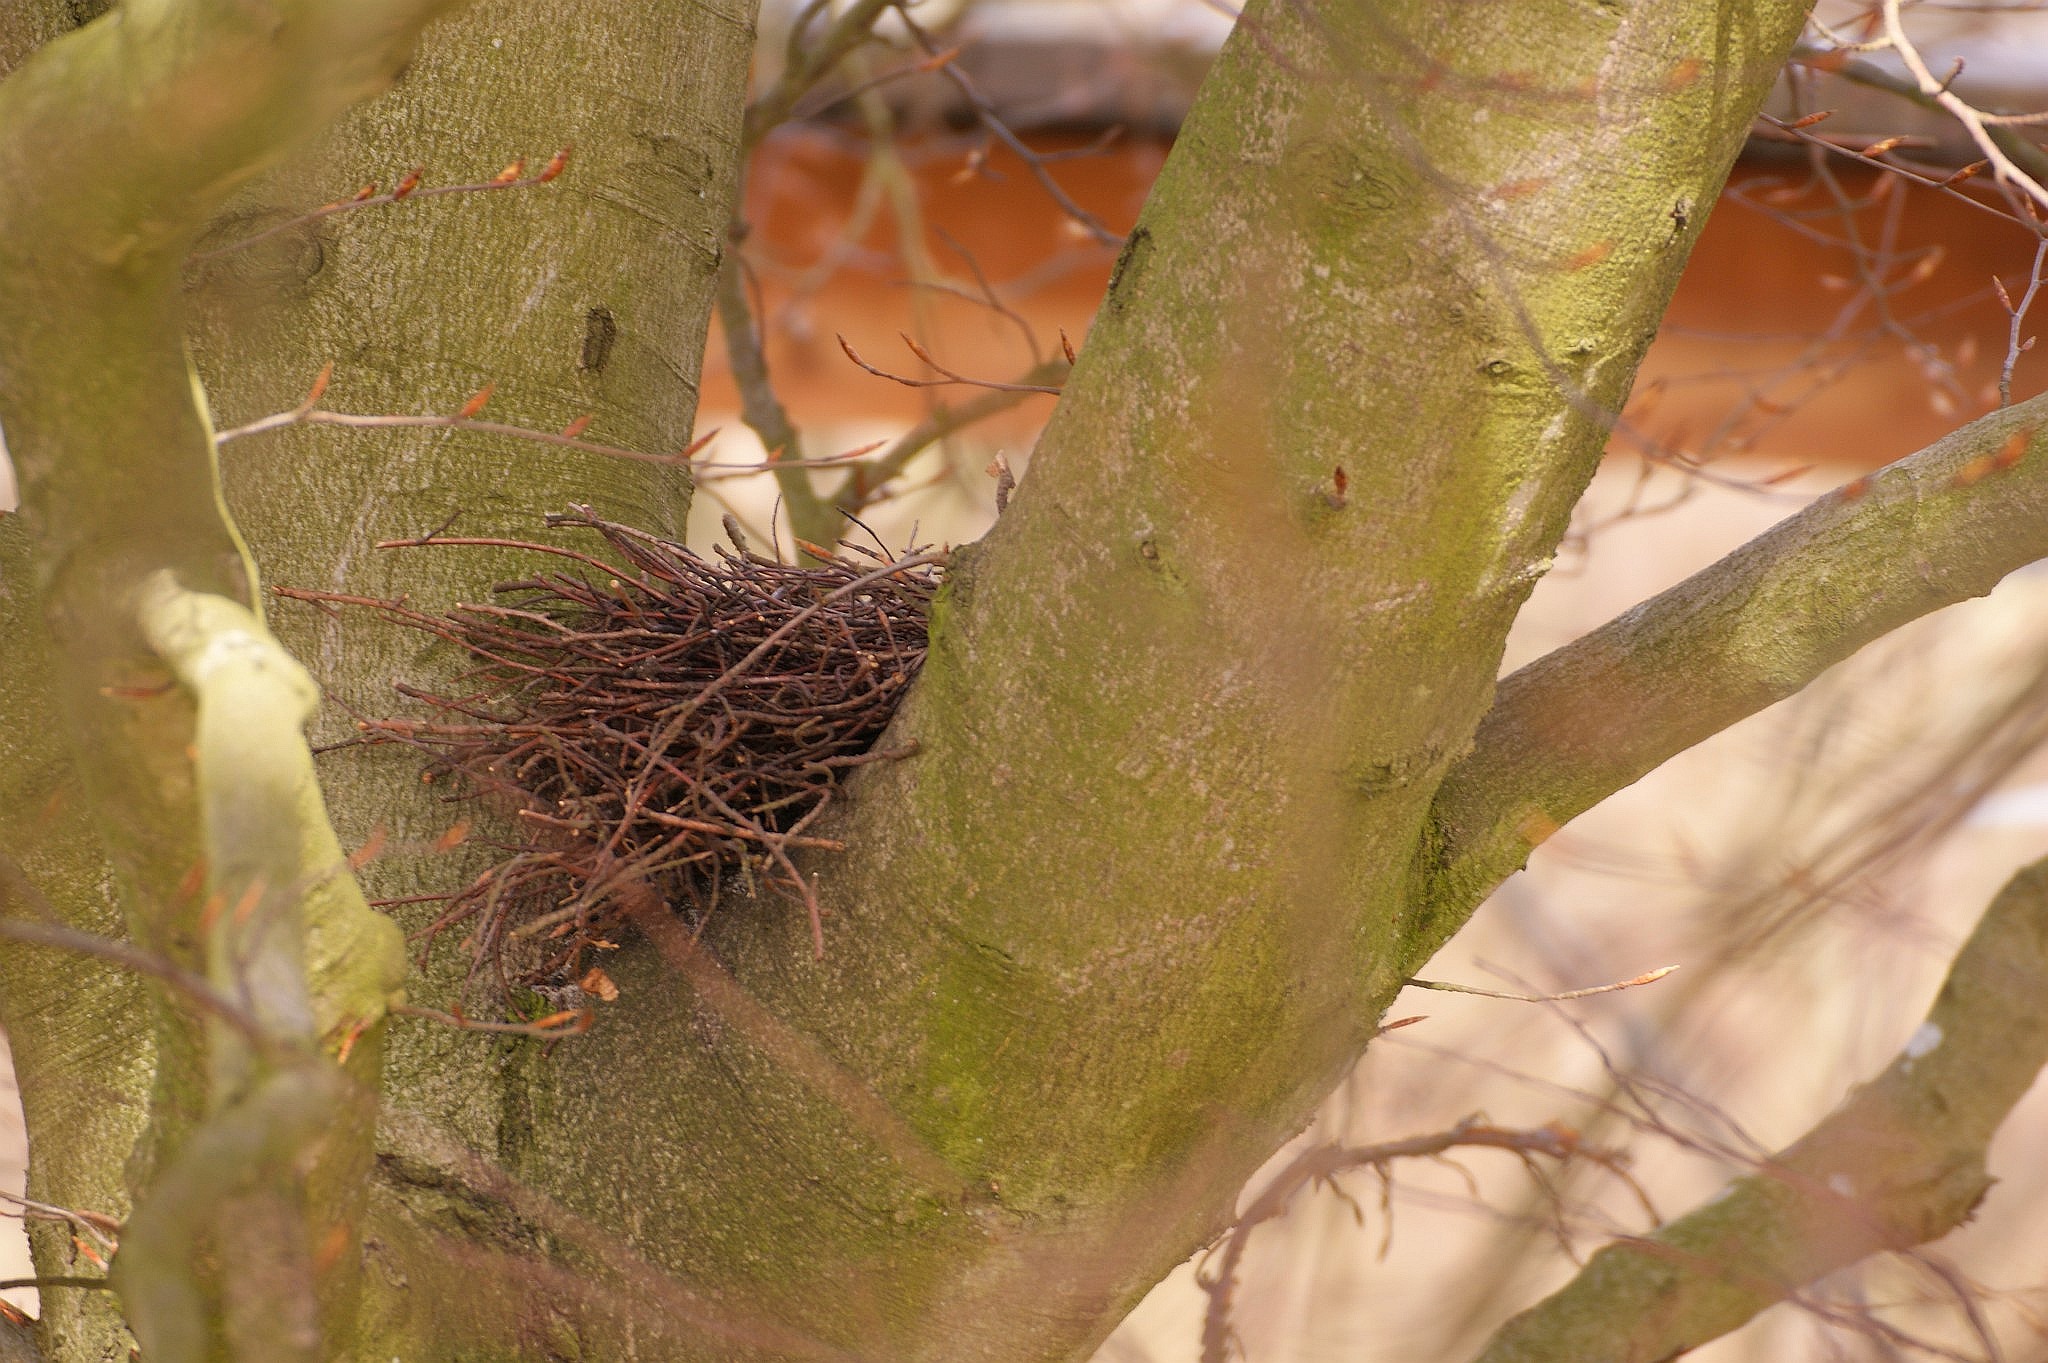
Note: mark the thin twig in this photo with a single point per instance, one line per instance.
(1650, 977)
(568, 1022)
(1944, 183)
(60, 937)
(2014, 347)
(990, 119)
(1321, 1164)
(951, 377)
(2007, 169)
(98, 1226)
(867, 479)
(408, 188)
(98, 1284)
(304, 415)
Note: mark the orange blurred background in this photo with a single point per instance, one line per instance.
(1774, 345)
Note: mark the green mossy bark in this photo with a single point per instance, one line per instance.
(421, 305)
(81, 1030)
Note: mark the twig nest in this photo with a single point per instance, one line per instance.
(664, 722)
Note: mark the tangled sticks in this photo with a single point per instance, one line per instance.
(669, 724)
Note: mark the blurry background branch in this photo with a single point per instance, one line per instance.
(1900, 1163)
(811, 518)
(839, 59)
(809, 60)
(1320, 1165)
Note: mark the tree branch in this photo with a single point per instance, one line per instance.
(120, 142)
(1899, 1163)
(810, 518)
(1269, 544)
(2012, 143)
(299, 946)
(804, 67)
(1575, 726)
(852, 495)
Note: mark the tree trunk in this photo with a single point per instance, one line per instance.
(1144, 893)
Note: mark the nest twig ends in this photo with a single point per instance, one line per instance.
(673, 723)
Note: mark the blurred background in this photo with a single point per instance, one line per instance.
(1810, 872)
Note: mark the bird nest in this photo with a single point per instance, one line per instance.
(665, 722)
